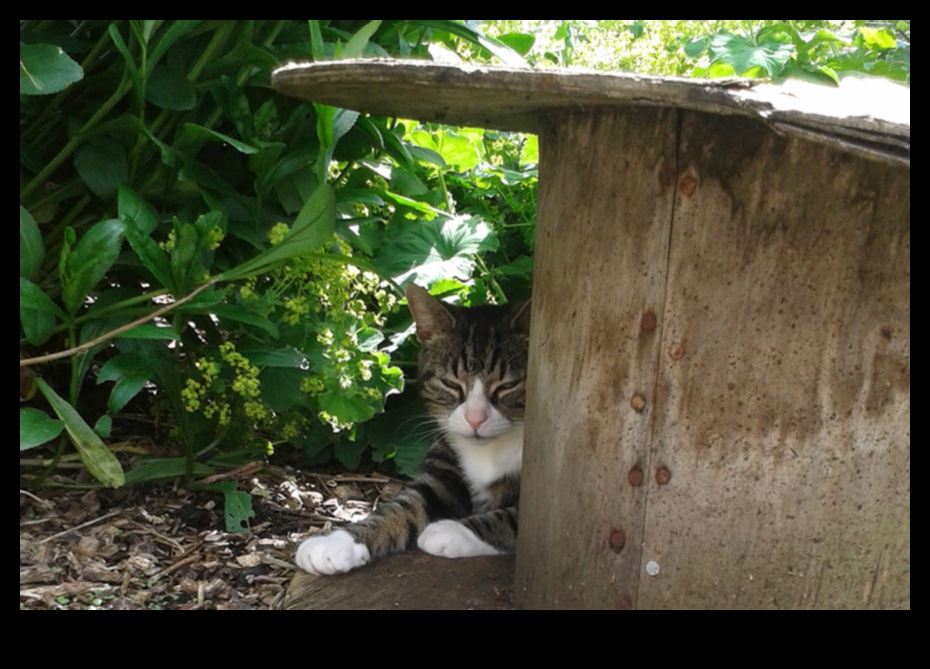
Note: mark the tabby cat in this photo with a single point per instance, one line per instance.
(472, 373)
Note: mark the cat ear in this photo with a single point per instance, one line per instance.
(430, 314)
(520, 322)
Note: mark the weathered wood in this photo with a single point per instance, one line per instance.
(607, 187)
(778, 402)
(870, 116)
(409, 582)
(785, 420)
(722, 306)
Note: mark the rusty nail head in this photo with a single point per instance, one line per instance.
(663, 475)
(648, 322)
(623, 603)
(635, 477)
(688, 185)
(676, 351)
(617, 540)
(637, 402)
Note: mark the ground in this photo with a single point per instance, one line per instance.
(164, 547)
(161, 547)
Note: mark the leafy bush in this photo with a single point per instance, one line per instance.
(222, 262)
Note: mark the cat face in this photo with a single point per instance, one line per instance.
(472, 366)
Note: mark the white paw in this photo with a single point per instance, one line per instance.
(331, 554)
(451, 539)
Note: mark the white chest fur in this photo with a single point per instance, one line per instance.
(488, 460)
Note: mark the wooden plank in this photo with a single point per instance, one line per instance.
(607, 184)
(869, 116)
(784, 388)
(411, 581)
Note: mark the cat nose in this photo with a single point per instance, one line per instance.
(475, 417)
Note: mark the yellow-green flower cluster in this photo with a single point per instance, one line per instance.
(208, 392)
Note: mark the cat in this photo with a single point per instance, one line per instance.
(472, 378)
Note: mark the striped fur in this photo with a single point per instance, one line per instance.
(472, 373)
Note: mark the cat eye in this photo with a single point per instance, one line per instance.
(454, 386)
(504, 388)
(509, 385)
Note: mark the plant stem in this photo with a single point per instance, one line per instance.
(114, 333)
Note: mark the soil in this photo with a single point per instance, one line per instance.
(164, 547)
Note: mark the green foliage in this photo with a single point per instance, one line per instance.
(820, 53)
(196, 247)
(819, 50)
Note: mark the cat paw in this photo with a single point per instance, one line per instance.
(451, 539)
(334, 553)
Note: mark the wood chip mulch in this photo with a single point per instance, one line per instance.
(163, 547)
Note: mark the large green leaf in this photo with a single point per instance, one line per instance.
(31, 250)
(313, 227)
(280, 387)
(433, 250)
(131, 371)
(169, 89)
(37, 312)
(745, 53)
(36, 428)
(347, 408)
(101, 163)
(98, 459)
(90, 260)
(45, 68)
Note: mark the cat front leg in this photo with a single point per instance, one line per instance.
(334, 553)
(451, 539)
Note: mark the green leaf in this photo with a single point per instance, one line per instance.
(37, 312)
(104, 426)
(347, 408)
(201, 133)
(165, 468)
(131, 371)
(877, 39)
(37, 428)
(519, 42)
(282, 357)
(280, 387)
(695, 47)
(317, 46)
(432, 250)
(31, 251)
(499, 49)
(101, 163)
(239, 314)
(176, 31)
(150, 331)
(743, 53)
(45, 68)
(404, 432)
(312, 228)
(529, 153)
(458, 148)
(237, 505)
(150, 254)
(185, 263)
(349, 453)
(132, 205)
(90, 260)
(169, 89)
(98, 459)
(356, 46)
